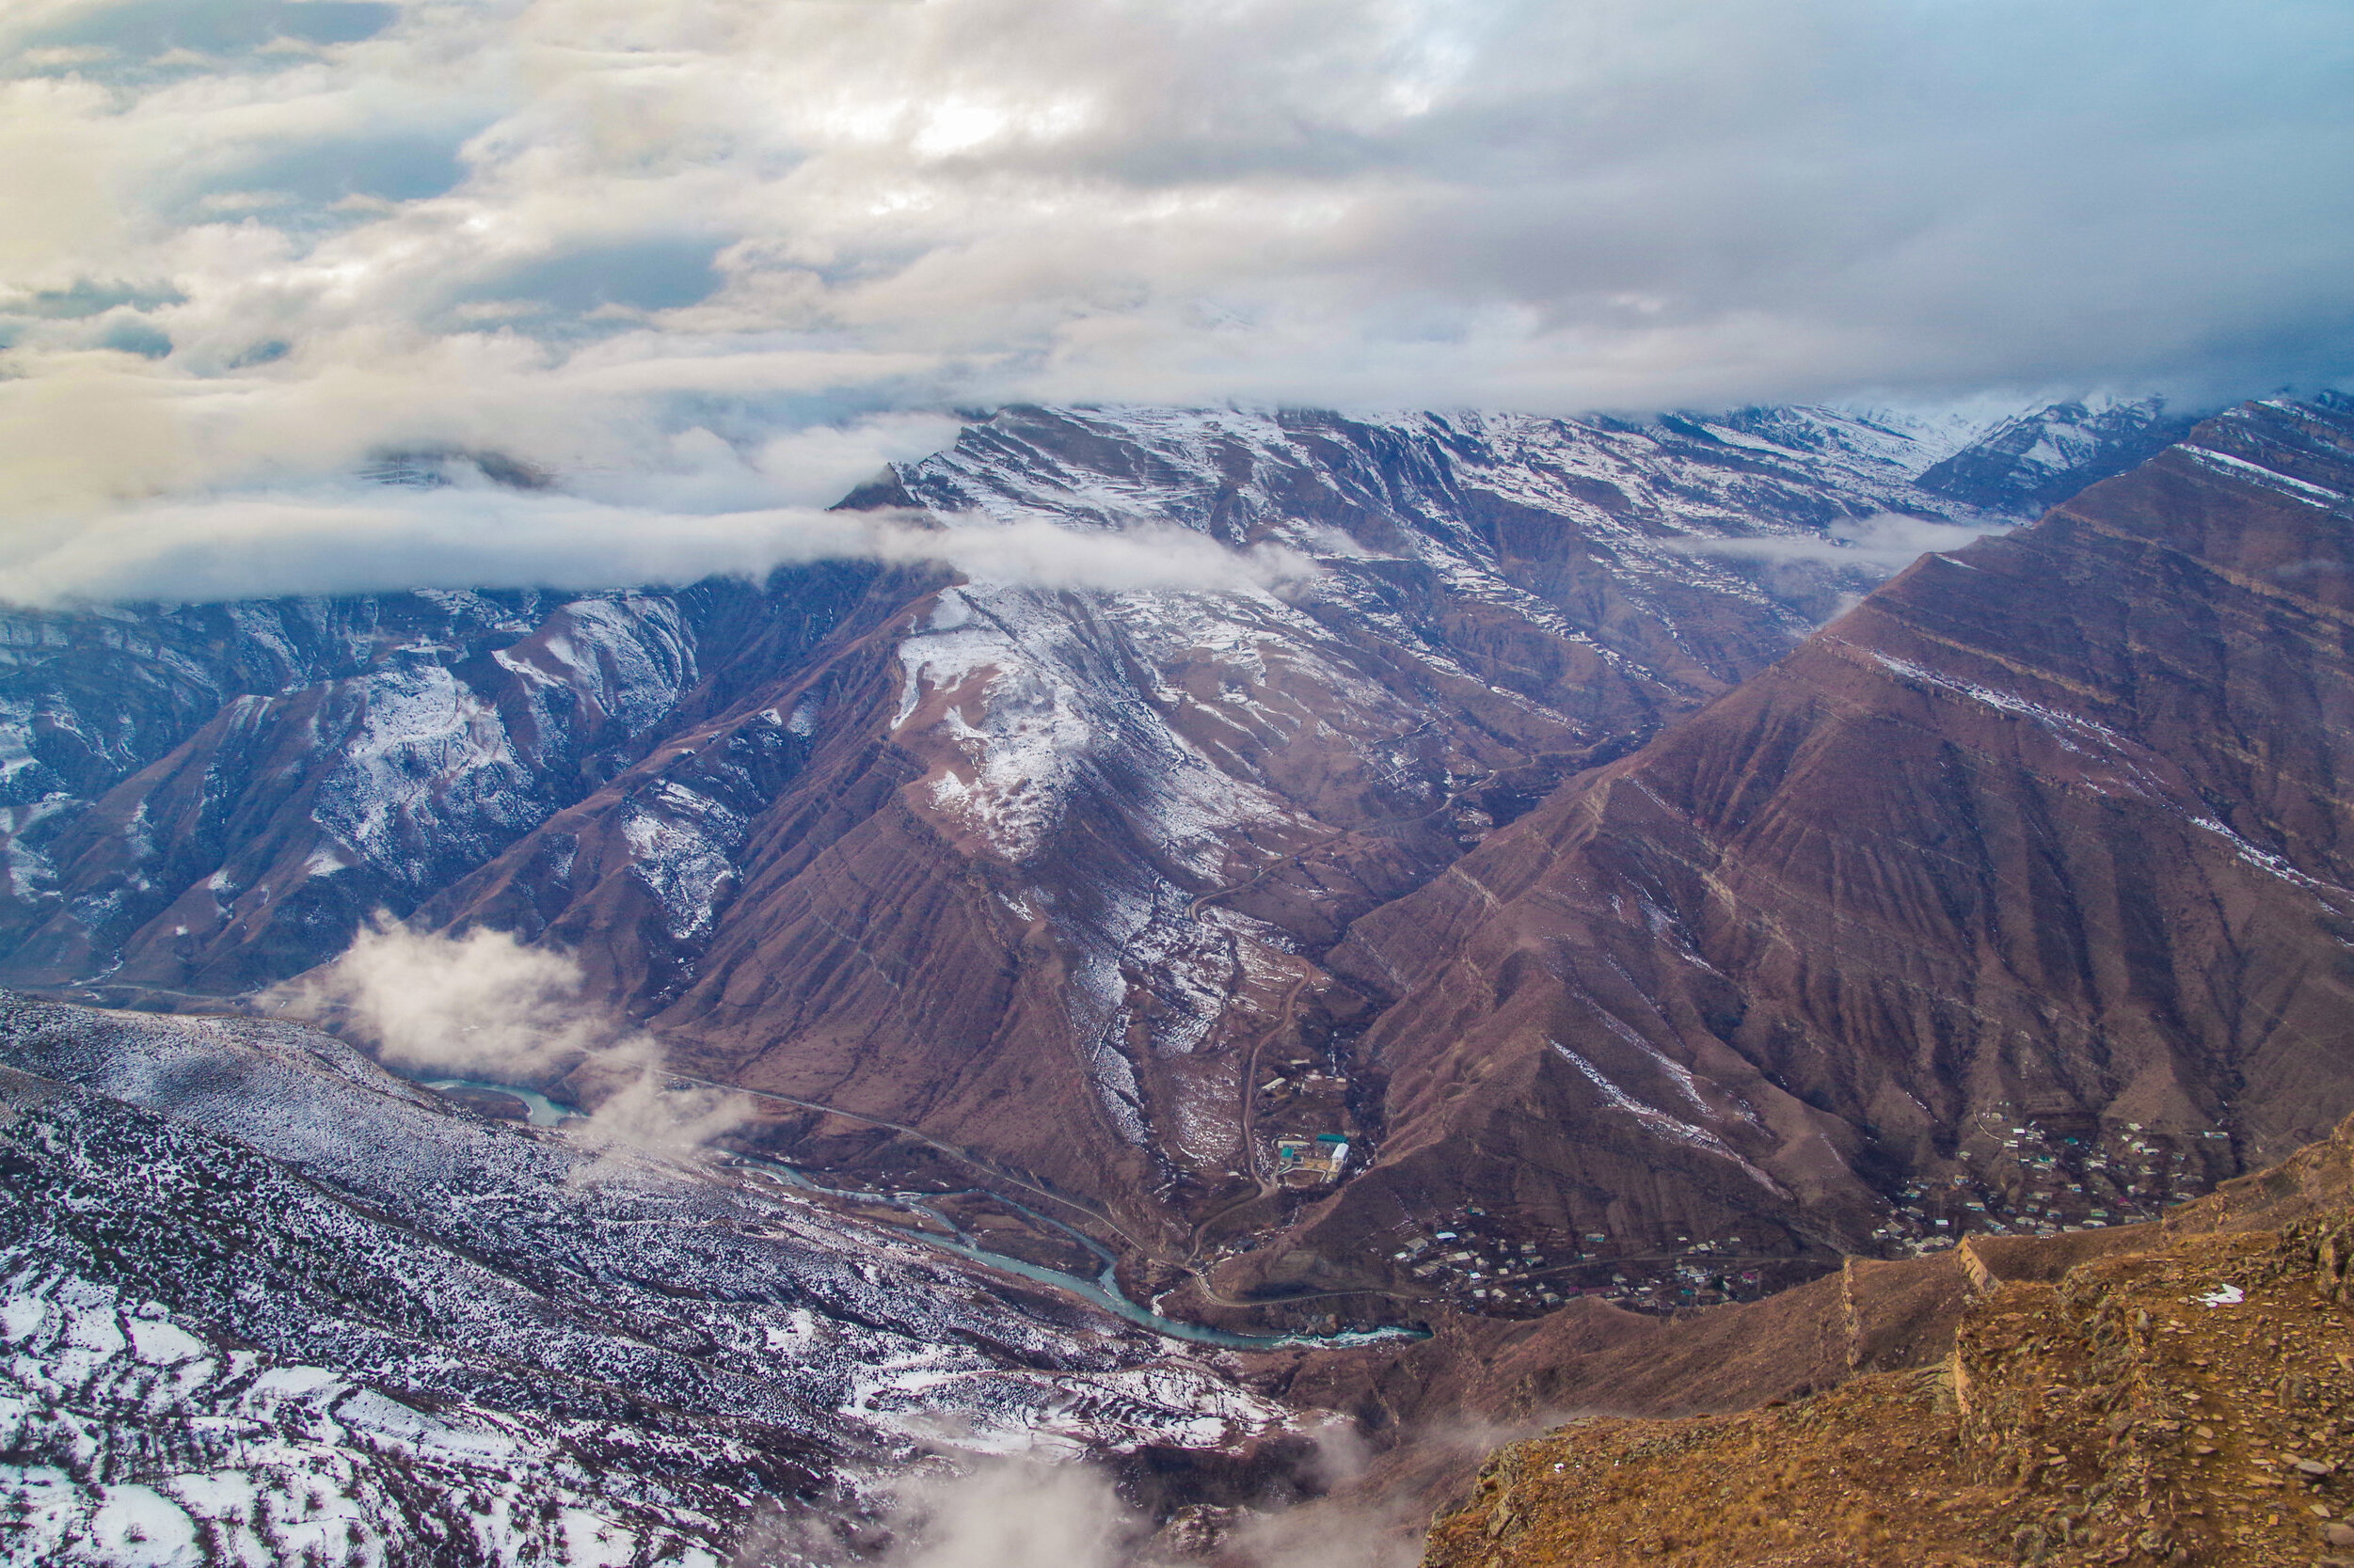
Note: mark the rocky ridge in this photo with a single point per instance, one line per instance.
(2184, 1397)
(2038, 458)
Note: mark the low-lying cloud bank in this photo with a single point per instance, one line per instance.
(1886, 542)
(244, 244)
(351, 540)
(1014, 1513)
(1025, 1512)
(482, 1006)
(212, 502)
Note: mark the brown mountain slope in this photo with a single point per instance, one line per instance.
(2024, 883)
(1047, 875)
(2188, 1400)
(1870, 1316)
(1823, 1372)
(363, 755)
(1038, 872)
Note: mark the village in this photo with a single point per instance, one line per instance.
(2025, 1175)
(1305, 1105)
(2029, 1174)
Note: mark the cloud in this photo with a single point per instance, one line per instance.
(1014, 1513)
(92, 433)
(1886, 542)
(1321, 1535)
(350, 540)
(119, 483)
(205, 27)
(577, 230)
(485, 1007)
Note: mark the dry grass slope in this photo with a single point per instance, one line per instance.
(2184, 1397)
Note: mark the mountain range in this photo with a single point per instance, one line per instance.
(1094, 884)
(1624, 865)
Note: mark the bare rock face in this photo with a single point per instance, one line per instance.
(2011, 897)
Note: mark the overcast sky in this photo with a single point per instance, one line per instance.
(753, 247)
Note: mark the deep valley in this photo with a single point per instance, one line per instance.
(1639, 917)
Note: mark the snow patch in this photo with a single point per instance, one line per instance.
(1659, 1122)
(2270, 478)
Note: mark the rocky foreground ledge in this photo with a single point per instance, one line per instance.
(2186, 1396)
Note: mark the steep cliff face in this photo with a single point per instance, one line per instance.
(2017, 894)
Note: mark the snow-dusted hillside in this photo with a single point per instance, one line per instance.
(260, 1302)
(197, 797)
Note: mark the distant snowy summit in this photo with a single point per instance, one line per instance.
(2039, 458)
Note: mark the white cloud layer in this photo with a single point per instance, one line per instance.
(245, 242)
(485, 1008)
(1014, 1513)
(351, 539)
(1886, 541)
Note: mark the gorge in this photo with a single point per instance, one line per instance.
(1606, 878)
